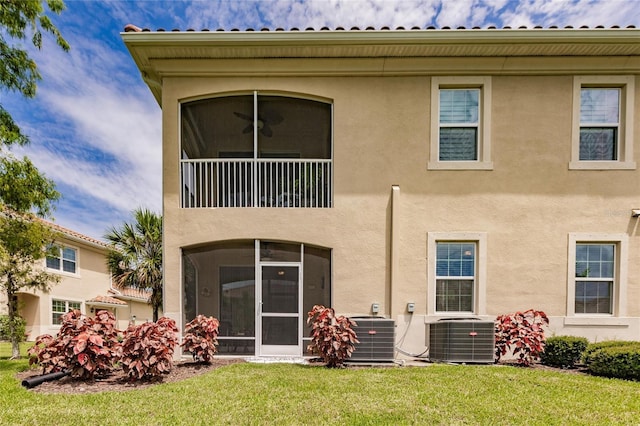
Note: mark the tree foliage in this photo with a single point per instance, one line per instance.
(23, 242)
(20, 20)
(135, 258)
(23, 189)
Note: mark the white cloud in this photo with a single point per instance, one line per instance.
(97, 129)
(573, 12)
(98, 133)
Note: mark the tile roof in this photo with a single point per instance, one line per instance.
(133, 28)
(131, 293)
(75, 235)
(106, 300)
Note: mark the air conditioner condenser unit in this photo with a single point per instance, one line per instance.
(461, 340)
(377, 340)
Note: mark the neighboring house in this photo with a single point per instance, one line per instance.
(85, 284)
(412, 174)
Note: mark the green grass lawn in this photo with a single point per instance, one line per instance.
(5, 349)
(286, 394)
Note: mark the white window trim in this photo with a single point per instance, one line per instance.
(480, 288)
(625, 138)
(66, 300)
(484, 134)
(619, 302)
(61, 271)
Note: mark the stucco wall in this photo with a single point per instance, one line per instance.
(527, 205)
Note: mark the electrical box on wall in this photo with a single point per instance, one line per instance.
(375, 308)
(411, 307)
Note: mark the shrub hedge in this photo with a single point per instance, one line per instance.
(563, 351)
(618, 359)
(20, 325)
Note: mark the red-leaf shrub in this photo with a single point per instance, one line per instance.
(523, 334)
(147, 349)
(201, 338)
(331, 336)
(88, 347)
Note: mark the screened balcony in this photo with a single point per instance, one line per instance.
(256, 151)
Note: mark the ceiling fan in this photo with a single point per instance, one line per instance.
(266, 119)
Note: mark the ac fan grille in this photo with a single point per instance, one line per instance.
(377, 340)
(461, 341)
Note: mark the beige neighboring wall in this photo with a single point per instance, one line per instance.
(90, 286)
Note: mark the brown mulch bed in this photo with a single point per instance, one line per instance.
(118, 380)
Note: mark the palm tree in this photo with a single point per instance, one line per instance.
(135, 257)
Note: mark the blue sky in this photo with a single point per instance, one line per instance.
(96, 129)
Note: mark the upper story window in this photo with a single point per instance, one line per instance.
(63, 259)
(599, 124)
(459, 124)
(460, 117)
(256, 150)
(602, 135)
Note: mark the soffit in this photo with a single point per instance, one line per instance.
(153, 51)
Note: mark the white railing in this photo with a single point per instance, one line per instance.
(256, 183)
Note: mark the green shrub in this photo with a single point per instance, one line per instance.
(563, 351)
(614, 359)
(595, 347)
(20, 328)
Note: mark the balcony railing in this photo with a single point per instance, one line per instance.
(256, 183)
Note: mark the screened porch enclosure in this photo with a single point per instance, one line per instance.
(260, 291)
(256, 151)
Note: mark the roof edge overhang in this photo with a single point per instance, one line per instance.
(106, 305)
(157, 53)
(386, 37)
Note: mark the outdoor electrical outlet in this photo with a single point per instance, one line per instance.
(375, 308)
(411, 307)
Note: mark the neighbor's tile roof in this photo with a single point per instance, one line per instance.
(106, 300)
(131, 293)
(75, 235)
(133, 28)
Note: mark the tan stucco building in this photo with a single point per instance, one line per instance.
(410, 174)
(84, 283)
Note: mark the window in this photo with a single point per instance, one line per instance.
(457, 272)
(61, 307)
(63, 259)
(594, 278)
(455, 276)
(597, 274)
(460, 116)
(603, 120)
(599, 123)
